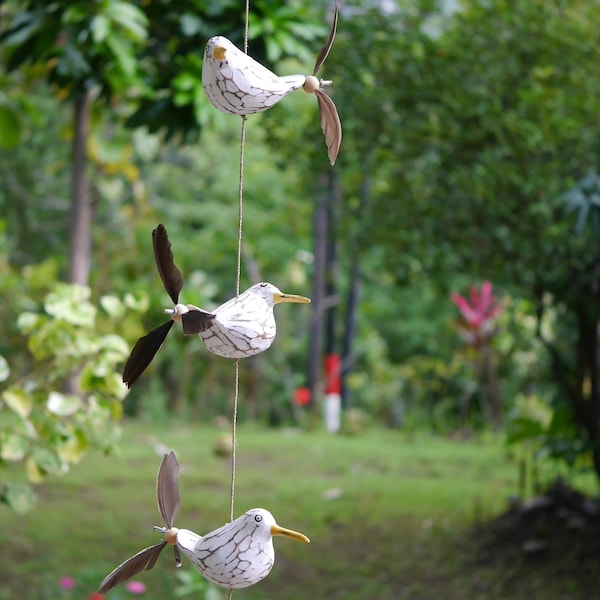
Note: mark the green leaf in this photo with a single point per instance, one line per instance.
(28, 321)
(190, 24)
(112, 305)
(129, 17)
(13, 447)
(115, 346)
(137, 302)
(100, 27)
(212, 593)
(74, 448)
(19, 401)
(4, 369)
(73, 64)
(61, 405)
(33, 471)
(70, 303)
(19, 497)
(74, 14)
(10, 127)
(47, 461)
(122, 53)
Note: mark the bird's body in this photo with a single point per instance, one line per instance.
(237, 84)
(241, 327)
(237, 555)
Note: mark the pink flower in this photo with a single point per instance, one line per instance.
(135, 587)
(478, 313)
(67, 583)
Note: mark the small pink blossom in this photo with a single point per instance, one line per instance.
(135, 587)
(67, 583)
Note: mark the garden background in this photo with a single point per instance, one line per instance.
(452, 255)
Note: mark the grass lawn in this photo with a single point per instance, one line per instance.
(389, 516)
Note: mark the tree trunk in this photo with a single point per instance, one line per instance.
(587, 383)
(350, 328)
(331, 268)
(316, 327)
(354, 288)
(80, 225)
(490, 377)
(580, 384)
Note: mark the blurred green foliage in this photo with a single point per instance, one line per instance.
(469, 153)
(63, 394)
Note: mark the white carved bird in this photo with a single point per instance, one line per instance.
(237, 555)
(241, 327)
(237, 84)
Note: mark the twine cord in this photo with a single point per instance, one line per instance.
(237, 289)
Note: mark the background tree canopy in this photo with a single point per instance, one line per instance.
(470, 152)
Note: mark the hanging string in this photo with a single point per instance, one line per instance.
(238, 278)
(237, 291)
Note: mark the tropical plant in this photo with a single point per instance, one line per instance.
(42, 426)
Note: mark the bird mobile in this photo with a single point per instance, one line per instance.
(237, 84)
(241, 327)
(237, 555)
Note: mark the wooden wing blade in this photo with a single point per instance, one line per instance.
(167, 488)
(169, 273)
(324, 53)
(143, 352)
(330, 124)
(142, 561)
(196, 321)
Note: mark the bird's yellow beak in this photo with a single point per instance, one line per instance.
(300, 537)
(219, 52)
(290, 298)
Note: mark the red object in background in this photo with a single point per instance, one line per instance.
(478, 314)
(302, 396)
(333, 367)
(481, 308)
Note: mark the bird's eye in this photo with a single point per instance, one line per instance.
(258, 518)
(264, 284)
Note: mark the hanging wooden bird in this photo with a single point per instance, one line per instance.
(237, 84)
(241, 327)
(237, 555)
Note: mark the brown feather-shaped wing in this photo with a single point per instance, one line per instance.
(169, 273)
(167, 493)
(196, 321)
(143, 352)
(327, 47)
(142, 561)
(167, 488)
(330, 123)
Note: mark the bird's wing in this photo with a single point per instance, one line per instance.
(143, 560)
(169, 273)
(327, 47)
(167, 488)
(330, 124)
(143, 352)
(196, 321)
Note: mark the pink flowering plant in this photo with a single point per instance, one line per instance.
(67, 583)
(477, 326)
(478, 314)
(137, 588)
